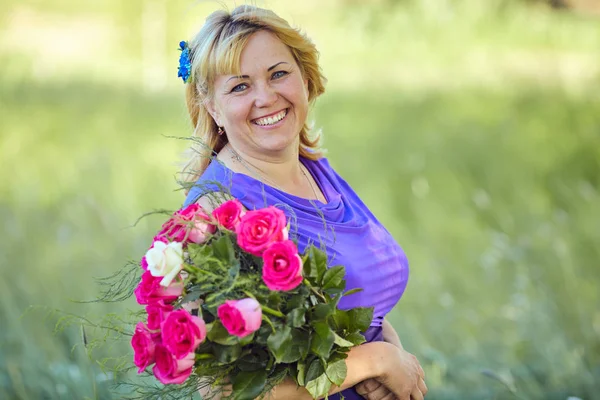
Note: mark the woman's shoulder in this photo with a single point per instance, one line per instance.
(214, 179)
(321, 164)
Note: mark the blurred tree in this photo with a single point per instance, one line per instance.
(587, 6)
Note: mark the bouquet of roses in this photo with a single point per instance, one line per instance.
(230, 300)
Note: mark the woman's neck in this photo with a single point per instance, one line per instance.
(281, 170)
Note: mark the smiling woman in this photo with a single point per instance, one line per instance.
(251, 79)
(262, 110)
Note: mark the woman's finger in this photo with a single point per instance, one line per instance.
(367, 386)
(416, 395)
(389, 396)
(421, 372)
(422, 387)
(381, 393)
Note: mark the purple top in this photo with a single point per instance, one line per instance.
(351, 234)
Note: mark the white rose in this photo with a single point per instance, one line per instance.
(165, 260)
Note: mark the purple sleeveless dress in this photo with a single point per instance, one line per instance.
(352, 236)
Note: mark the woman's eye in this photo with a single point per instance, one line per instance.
(279, 74)
(239, 88)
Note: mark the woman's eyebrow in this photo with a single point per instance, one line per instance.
(273, 66)
(248, 76)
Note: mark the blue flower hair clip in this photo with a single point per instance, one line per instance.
(185, 63)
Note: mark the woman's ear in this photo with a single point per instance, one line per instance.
(212, 110)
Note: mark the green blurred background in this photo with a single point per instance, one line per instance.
(470, 127)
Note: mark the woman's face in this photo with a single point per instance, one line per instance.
(263, 110)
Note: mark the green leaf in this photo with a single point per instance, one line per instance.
(336, 372)
(219, 334)
(214, 300)
(309, 267)
(274, 298)
(340, 354)
(263, 333)
(315, 264)
(356, 338)
(319, 387)
(320, 312)
(335, 291)
(301, 368)
(321, 260)
(246, 339)
(234, 270)
(295, 318)
(315, 369)
(199, 254)
(279, 341)
(297, 348)
(227, 354)
(340, 341)
(333, 303)
(253, 361)
(360, 318)
(198, 290)
(322, 340)
(341, 319)
(333, 277)
(352, 291)
(223, 249)
(296, 301)
(248, 385)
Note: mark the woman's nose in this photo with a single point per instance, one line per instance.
(265, 96)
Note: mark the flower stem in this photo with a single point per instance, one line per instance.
(204, 356)
(268, 321)
(315, 291)
(271, 311)
(249, 294)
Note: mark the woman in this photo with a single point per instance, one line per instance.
(250, 81)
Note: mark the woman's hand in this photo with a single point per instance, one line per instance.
(402, 378)
(372, 389)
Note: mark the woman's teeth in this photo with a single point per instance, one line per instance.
(272, 119)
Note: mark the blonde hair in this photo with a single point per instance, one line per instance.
(217, 49)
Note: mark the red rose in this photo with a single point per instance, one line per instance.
(170, 370)
(150, 291)
(190, 224)
(229, 214)
(182, 333)
(282, 266)
(157, 313)
(240, 317)
(143, 347)
(258, 229)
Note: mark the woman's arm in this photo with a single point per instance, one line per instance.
(393, 367)
(390, 335)
(372, 388)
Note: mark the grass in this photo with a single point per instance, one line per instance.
(492, 190)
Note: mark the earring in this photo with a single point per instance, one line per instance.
(220, 131)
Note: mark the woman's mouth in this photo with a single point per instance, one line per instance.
(271, 120)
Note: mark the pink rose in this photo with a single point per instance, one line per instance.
(258, 229)
(182, 333)
(229, 214)
(170, 370)
(157, 313)
(190, 224)
(240, 317)
(143, 347)
(149, 290)
(282, 266)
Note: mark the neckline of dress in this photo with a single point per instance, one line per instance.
(326, 189)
